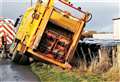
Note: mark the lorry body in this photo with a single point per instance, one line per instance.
(6, 33)
(49, 33)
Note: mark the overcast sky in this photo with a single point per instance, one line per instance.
(103, 11)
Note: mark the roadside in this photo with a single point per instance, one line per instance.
(10, 72)
(50, 73)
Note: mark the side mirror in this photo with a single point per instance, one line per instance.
(17, 21)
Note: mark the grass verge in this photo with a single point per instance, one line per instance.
(49, 73)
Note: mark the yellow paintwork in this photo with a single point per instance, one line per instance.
(27, 29)
(41, 28)
(63, 21)
(29, 25)
(20, 33)
(32, 28)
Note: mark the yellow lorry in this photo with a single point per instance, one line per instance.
(49, 33)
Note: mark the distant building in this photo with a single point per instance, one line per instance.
(114, 35)
(116, 28)
(103, 36)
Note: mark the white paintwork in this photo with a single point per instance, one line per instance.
(103, 36)
(116, 28)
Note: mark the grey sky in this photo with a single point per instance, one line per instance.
(103, 11)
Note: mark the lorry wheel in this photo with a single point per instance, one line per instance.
(16, 57)
(24, 60)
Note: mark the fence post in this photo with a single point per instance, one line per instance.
(118, 55)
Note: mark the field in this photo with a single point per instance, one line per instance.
(49, 73)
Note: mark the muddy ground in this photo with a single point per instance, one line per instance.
(10, 72)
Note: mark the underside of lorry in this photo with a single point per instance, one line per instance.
(48, 33)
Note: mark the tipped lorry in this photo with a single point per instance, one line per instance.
(49, 33)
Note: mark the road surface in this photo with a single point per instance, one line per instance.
(10, 72)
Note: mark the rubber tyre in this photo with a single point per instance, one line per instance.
(24, 60)
(16, 57)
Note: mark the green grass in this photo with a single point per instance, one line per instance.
(48, 73)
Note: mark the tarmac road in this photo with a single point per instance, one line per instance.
(10, 72)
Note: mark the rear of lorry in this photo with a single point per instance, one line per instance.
(49, 33)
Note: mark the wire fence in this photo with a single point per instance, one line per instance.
(96, 57)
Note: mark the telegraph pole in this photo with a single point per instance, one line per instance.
(31, 2)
